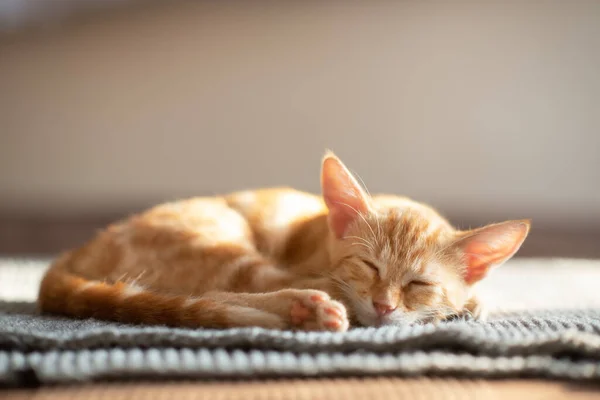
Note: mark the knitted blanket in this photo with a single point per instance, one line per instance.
(545, 322)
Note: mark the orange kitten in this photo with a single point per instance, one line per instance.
(280, 258)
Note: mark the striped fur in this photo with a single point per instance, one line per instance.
(282, 259)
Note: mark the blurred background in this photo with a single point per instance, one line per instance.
(487, 110)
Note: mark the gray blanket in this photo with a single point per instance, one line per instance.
(545, 323)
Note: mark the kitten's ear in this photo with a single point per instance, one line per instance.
(490, 246)
(343, 195)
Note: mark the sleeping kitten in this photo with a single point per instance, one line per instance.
(283, 259)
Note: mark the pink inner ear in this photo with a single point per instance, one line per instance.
(342, 194)
(490, 246)
(339, 222)
(479, 263)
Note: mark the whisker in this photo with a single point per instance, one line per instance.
(361, 181)
(362, 244)
(122, 277)
(134, 281)
(359, 238)
(364, 241)
(362, 216)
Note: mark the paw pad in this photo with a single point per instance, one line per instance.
(333, 311)
(334, 325)
(316, 311)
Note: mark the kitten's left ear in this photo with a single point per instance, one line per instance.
(491, 246)
(343, 195)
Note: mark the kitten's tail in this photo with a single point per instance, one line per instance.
(64, 292)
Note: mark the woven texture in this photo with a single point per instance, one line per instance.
(545, 322)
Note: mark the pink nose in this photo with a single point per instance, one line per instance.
(383, 309)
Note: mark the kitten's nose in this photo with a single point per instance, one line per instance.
(383, 309)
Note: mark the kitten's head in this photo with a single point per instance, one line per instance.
(396, 260)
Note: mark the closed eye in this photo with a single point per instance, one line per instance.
(421, 283)
(371, 265)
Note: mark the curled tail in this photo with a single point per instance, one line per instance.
(66, 293)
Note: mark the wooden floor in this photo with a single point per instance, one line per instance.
(326, 389)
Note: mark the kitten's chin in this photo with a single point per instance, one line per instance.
(399, 319)
(377, 321)
(368, 320)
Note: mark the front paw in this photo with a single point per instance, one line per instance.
(314, 310)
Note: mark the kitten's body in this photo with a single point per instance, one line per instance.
(279, 258)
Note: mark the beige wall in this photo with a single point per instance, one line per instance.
(492, 110)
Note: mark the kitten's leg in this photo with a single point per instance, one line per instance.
(252, 280)
(64, 293)
(303, 304)
(299, 308)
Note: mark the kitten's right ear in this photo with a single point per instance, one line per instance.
(343, 195)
